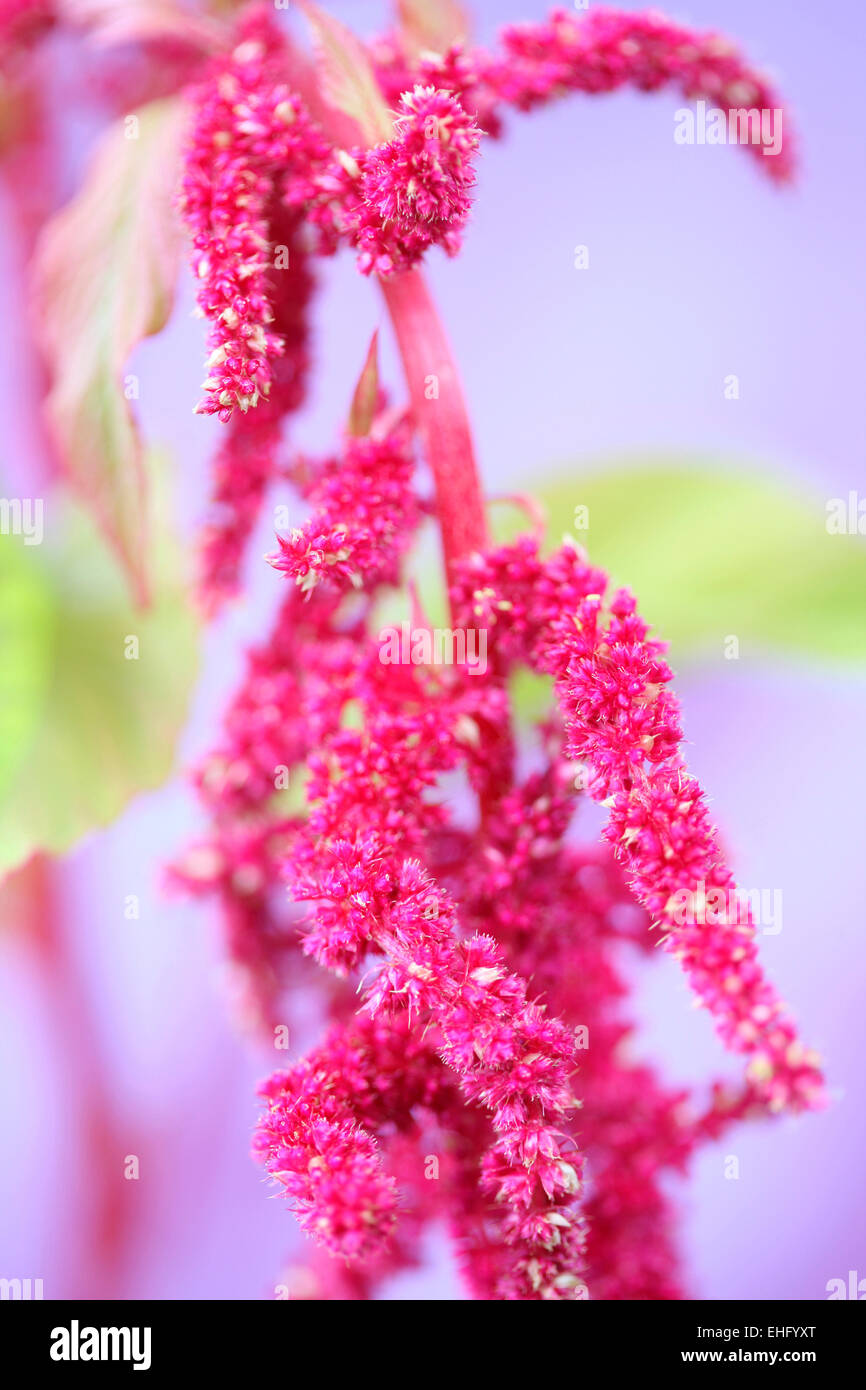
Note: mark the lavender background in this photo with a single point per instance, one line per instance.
(698, 268)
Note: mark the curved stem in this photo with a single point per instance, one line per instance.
(440, 411)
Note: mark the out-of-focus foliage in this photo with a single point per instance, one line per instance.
(431, 26)
(712, 552)
(103, 278)
(84, 726)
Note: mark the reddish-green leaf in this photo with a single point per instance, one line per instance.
(104, 276)
(346, 77)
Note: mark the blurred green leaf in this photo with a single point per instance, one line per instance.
(103, 279)
(89, 727)
(713, 551)
(26, 615)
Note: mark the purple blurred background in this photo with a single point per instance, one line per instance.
(698, 268)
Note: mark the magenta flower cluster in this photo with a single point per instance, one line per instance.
(383, 828)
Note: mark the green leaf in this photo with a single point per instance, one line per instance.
(91, 728)
(713, 551)
(26, 615)
(104, 273)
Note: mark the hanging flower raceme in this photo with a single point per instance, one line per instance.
(329, 1119)
(430, 869)
(598, 52)
(624, 726)
(327, 1164)
(507, 1055)
(364, 515)
(22, 22)
(248, 458)
(290, 698)
(249, 131)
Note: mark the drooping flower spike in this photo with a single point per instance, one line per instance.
(249, 131)
(623, 725)
(23, 22)
(432, 858)
(594, 53)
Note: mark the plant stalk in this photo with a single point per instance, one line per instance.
(440, 412)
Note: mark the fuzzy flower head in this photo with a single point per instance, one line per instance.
(248, 130)
(328, 1166)
(364, 517)
(416, 189)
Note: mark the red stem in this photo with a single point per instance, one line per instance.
(440, 412)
